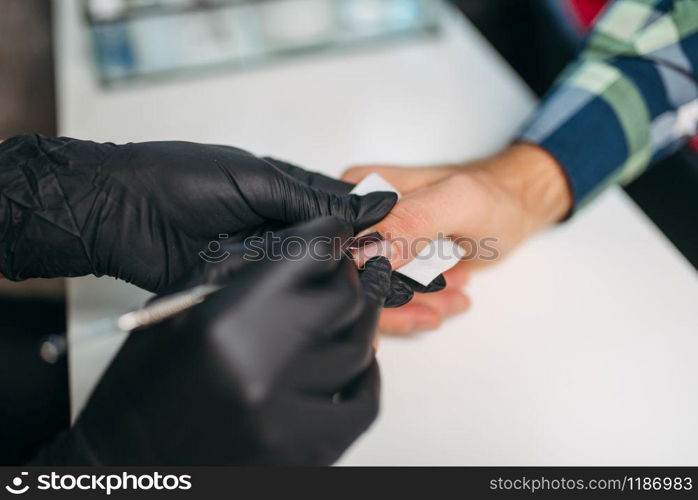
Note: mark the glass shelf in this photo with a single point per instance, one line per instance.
(137, 39)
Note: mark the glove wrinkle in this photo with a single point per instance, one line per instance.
(241, 193)
(74, 221)
(38, 190)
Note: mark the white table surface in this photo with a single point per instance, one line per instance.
(579, 349)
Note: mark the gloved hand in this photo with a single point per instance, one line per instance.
(277, 368)
(402, 288)
(142, 212)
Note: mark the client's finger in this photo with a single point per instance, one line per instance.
(424, 313)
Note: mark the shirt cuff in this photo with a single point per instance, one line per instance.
(596, 124)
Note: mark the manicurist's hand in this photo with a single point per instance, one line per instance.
(142, 212)
(276, 368)
(495, 203)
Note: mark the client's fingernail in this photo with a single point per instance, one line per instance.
(365, 240)
(372, 250)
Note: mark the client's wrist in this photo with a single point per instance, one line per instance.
(533, 177)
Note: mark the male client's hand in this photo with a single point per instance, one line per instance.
(496, 202)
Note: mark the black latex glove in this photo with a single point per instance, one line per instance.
(142, 212)
(280, 244)
(277, 368)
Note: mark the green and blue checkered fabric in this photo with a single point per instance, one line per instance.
(628, 100)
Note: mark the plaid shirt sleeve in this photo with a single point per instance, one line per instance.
(628, 100)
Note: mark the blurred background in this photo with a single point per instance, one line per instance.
(148, 42)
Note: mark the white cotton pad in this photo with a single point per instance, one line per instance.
(371, 184)
(437, 257)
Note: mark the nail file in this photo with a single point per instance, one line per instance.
(437, 257)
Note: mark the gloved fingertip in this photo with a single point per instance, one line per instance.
(378, 265)
(372, 208)
(400, 293)
(375, 278)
